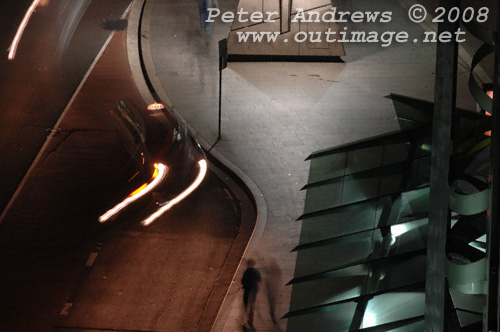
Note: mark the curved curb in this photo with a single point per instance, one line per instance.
(140, 16)
(134, 58)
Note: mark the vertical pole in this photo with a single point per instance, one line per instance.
(222, 64)
(220, 97)
(285, 15)
(492, 314)
(444, 103)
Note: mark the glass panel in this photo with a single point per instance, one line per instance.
(327, 167)
(356, 158)
(359, 280)
(480, 165)
(337, 319)
(397, 152)
(467, 318)
(366, 215)
(364, 159)
(323, 197)
(358, 188)
(402, 300)
(386, 262)
(409, 205)
(324, 258)
(412, 327)
(469, 308)
(374, 249)
(412, 147)
(328, 291)
(401, 177)
(393, 179)
(408, 236)
(424, 171)
(384, 275)
(368, 185)
(392, 307)
(340, 222)
(466, 302)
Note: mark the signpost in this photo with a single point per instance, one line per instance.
(222, 65)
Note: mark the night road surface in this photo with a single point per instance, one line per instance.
(60, 42)
(65, 271)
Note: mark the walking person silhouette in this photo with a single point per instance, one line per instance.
(204, 6)
(250, 281)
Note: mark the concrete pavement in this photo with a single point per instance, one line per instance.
(274, 114)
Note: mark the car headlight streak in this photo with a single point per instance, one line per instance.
(158, 175)
(20, 30)
(163, 208)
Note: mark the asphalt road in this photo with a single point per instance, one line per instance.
(64, 271)
(58, 46)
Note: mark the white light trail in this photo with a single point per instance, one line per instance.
(20, 30)
(158, 175)
(201, 175)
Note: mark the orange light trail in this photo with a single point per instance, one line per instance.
(20, 30)
(158, 175)
(201, 175)
(138, 190)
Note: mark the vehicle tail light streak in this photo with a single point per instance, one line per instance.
(20, 30)
(167, 205)
(158, 175)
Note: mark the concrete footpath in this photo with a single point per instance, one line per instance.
(274, 114)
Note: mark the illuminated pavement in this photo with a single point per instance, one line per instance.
(275, 114)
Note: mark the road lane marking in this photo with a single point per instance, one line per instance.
(81, 328)
(91, 259)
(65, 309)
